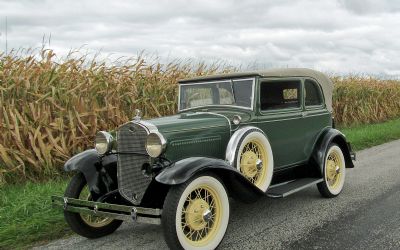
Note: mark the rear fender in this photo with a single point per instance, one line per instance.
(181, 171)
(100, 172)
(327, 137)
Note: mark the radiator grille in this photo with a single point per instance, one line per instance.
(131, 138)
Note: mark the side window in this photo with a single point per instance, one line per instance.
(312, 93)
(280, 95)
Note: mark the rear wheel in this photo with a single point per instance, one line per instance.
(196, 214)
(334, 172)
(85, 225)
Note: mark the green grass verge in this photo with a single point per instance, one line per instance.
(27, 218)
(365, 136)
(26, 215)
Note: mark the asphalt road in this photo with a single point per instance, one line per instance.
(365, 216)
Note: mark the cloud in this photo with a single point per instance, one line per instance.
(337, 36)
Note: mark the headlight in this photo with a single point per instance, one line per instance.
(155, 144)
(104, 142)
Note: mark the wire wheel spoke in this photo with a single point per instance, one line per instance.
(92, 220)
(195, 225)
(253, 152)
(334, 168)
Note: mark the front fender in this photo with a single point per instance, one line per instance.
(99, 172)
(181, 171)
(329, 136)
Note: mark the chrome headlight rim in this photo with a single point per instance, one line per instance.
(162, 144)
(103, 142)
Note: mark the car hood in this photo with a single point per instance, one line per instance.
(190, 121)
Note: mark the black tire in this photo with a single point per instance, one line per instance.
(75, 220)
(172, 236)
(324, 188)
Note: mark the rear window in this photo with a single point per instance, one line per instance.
(312, 92)
(280, 95)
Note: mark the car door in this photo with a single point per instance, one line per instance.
(315, 115)
(280, 112)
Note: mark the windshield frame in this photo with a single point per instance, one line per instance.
(253, 85)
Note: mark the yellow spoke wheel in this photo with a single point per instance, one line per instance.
(253, 162)
(83, 224)
(201, 215)
(91, 220)
(196, 214)
(334, 172)
(254, 159)
(334, 169)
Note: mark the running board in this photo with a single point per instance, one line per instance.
(282, 190)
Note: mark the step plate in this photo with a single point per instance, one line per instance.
(285, 189)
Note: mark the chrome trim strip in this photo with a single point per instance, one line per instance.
(194, 141)
(216, 105)
(234, 141)
(151, 128)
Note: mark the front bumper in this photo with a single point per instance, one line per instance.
(115, 211)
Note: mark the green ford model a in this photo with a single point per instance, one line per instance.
(242, 135)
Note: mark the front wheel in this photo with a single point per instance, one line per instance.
(86, 225)
(196, 213)
(334, 172)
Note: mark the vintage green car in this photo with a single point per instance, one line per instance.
(241, 135)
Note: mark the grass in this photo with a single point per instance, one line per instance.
(26, 214)
(27, 217)
(365, 136)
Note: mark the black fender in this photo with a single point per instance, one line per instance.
(328, 136)
(100, 171)
(182, 170)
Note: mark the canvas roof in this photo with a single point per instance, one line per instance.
(323, 80)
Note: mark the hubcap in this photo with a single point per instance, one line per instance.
(201, 215)
(259, 164)
(195, 214)
(253, 162)
(207, 215)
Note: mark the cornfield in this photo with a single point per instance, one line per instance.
(51, 109)
(358, 100)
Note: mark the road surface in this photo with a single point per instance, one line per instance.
(365, 216)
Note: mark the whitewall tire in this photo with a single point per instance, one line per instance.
(254, 159)
(334, 172)
(196, 213)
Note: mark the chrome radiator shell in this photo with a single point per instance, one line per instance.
(131, 148)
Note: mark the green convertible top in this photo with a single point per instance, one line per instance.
(323, 80)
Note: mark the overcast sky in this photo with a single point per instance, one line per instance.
(330, 35)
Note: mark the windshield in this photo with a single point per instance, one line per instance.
(225, 92)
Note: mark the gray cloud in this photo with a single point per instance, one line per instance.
(336, 36)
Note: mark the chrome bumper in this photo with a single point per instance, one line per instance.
(115, 211)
